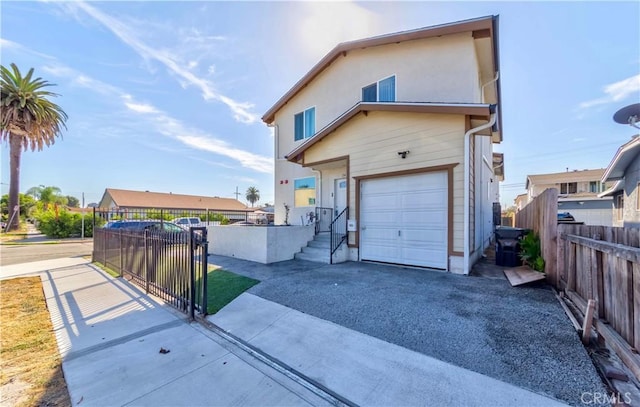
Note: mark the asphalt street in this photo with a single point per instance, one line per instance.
(24, 253)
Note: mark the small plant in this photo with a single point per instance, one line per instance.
(530, 252)
(286, 214)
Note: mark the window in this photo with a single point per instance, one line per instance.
(595, 186)
(569, 188)
(304, 124)
(381, 91)
(304, 190)
(619, 207)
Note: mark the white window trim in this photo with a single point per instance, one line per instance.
(377, 83)
(303, 111)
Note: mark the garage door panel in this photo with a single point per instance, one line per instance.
(432, 237)
(404, 220)
(432, 199)
(410, 218)
(425, 257)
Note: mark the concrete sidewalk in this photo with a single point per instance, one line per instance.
(363, 369)
(110, 335)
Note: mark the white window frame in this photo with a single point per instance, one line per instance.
(304, 123)
(377, 83)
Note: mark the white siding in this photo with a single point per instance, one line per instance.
(372, 143)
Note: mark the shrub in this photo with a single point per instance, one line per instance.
(530, 252)
(61, 223)
(217, 217)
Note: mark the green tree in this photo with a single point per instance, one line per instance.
(26, 204)
(28, 119)
(48, 195)
(72, 201)
(253, 195)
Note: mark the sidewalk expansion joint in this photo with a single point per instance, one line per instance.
(114, 342)
(310, 384)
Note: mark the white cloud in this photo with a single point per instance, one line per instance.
(8, 44)
(170, 126)
(125, 32)
(615, 92)
(326, 24)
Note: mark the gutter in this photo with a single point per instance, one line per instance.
(467, 192)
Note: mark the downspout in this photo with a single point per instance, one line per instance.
(489, 83)
(467, 192)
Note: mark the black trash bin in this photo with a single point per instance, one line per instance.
(508, 246)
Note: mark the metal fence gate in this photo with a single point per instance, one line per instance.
(170, 265)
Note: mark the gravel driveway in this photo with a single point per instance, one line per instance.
(518, 335)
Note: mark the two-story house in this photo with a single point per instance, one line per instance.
(395, 135)
(624, 173)
(577, 194)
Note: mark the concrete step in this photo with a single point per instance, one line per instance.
(322, 237)
(312, 257)
(316, 251)
(319, 244)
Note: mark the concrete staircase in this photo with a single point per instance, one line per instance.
(317, 249)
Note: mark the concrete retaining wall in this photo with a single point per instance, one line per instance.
(257, 243)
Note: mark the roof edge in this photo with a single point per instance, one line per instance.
(480, 23)
(477, 109)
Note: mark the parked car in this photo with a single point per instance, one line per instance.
(565, 217)
(175, 233)
(188, 222)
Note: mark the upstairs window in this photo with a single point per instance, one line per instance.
(381, 91)
(304, 124)
(569, 188)
(595, 186)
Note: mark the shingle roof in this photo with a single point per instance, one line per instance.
(143, 199)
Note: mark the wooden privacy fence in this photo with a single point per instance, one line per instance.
(541, 216)
(592, 263)
(603, 264)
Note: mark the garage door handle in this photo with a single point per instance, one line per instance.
(399, 233)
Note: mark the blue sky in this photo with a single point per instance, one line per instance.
(167, 96)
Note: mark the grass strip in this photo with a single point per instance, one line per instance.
(223, 287)
(30, 365)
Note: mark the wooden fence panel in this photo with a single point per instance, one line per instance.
(636, 306)
(541, 216)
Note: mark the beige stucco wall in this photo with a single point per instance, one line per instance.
(438, 70)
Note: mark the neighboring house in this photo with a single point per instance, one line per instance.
(399, 129)
(521, 201)
(624, 171)
(577, 194)
(124, 200)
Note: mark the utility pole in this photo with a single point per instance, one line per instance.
(82, 214)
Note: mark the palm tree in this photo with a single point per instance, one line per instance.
(48, 195)
(253, 195)
(27, 120)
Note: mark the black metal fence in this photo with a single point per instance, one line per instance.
(338, 229)
(204, 217)
(324, 216)
(170, 265)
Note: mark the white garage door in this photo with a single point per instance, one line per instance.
(403, 220)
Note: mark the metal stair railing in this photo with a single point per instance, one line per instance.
(338, 231)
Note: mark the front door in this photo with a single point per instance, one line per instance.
(339, 196)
